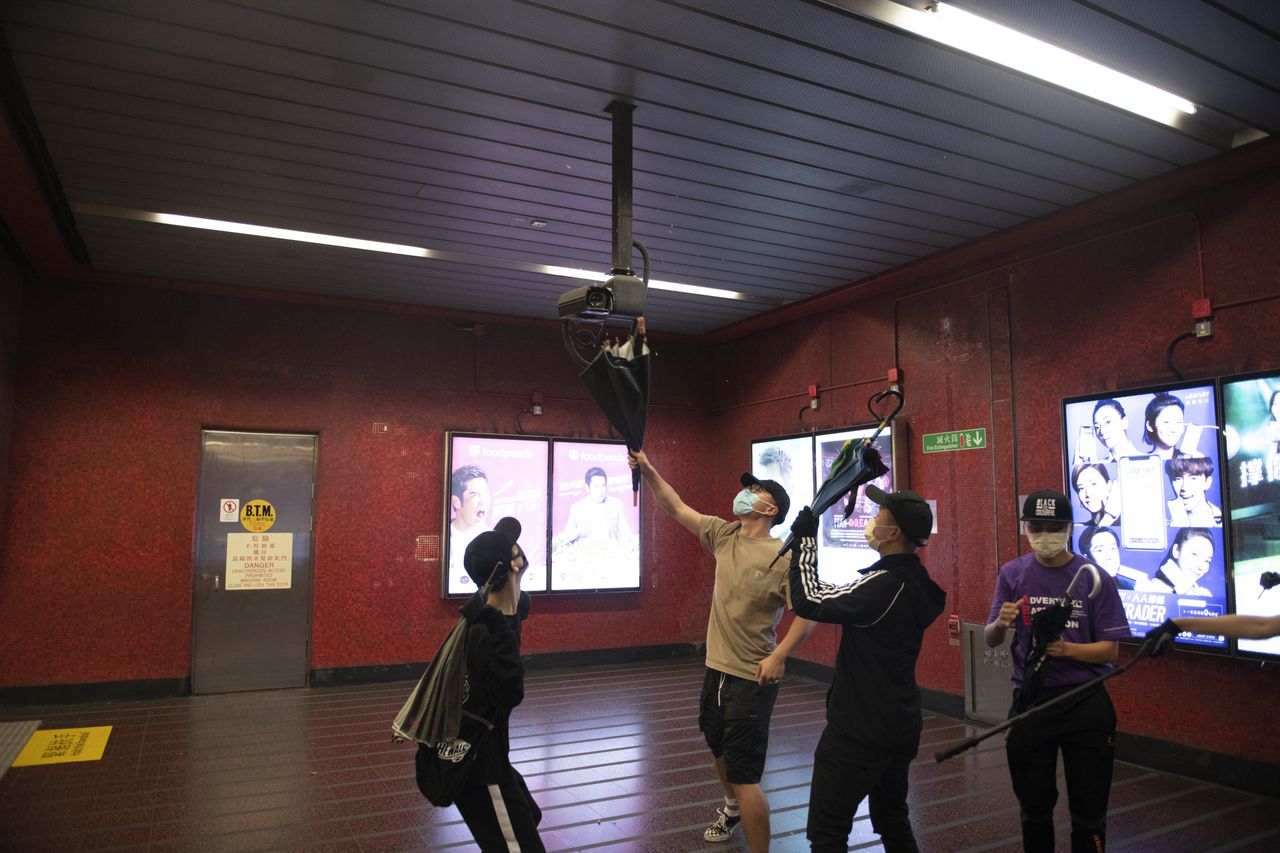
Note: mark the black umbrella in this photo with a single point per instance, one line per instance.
(857, 462)
(1155, 645)
(618, 379)
(1047, 626)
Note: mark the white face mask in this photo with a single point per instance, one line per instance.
(868, 533)
(1048, 545)
(744, 502)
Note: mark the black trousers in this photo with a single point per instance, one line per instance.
(1084, 730)
(844, 773)
(502, 816)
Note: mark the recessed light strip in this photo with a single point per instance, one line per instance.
(979, 36)
(179, 220)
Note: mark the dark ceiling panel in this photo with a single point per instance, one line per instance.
(781, 148)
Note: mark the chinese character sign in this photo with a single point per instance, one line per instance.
(259, 561)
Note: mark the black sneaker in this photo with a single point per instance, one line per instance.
(723, 827)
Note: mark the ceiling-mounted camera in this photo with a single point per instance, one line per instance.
(622, 295)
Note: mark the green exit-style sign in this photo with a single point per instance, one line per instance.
(958, 439)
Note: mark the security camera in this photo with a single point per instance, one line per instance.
(593, 302)
(622, 295)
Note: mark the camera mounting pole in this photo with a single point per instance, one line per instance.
(584, 311)
(622, 186)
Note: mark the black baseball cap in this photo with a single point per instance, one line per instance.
(911, 511)
(1047, 505)
(780, 497)
(489, 549)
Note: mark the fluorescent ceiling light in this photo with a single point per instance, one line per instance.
(968, 32)
(394, 249)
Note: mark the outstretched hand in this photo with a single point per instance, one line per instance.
(805, 526)
(1162, 636)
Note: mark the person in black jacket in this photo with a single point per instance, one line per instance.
(873, 706)
(496, 803)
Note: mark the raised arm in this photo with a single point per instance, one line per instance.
(855, 604)
(665, 496)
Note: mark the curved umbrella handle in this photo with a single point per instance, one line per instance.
(1092, 571)
(877, 398)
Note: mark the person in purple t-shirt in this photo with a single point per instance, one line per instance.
(1084, 728)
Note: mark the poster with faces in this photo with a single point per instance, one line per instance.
(595, 525)
(1145, 481)
(801, 463)
(491, 477)
(1251, 409)
(789, 462)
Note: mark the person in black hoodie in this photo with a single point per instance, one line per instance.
(496, 803)
(873, 706)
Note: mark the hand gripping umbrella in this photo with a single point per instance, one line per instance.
(618, 379)
(857, 462)
(1047, 626)
(1157, 643)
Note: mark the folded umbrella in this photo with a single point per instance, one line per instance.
(857, 462)
(618, 379)
(433, 711)
(1047, 626)
(1156, 644)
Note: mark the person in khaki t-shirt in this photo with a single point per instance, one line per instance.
(745, 660)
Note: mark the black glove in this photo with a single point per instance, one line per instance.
(478, 612)
(1161, 637)
(805, 526)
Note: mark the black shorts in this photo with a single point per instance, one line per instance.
(734, 718)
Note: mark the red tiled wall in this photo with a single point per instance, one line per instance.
(10, 314)
(999, 349)
(114, 387)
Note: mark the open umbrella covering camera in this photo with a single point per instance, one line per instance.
(618, 379)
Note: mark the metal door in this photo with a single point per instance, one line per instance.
(987, 691)
(251, 603)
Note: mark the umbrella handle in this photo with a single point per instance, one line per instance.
(877, 398)
(1092, 571)
(1143, 652)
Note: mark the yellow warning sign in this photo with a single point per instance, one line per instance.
(257, 516)
(259, 560)
(59, 746)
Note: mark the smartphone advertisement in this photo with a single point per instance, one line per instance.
(492, 477)
(1251, 409)
(1145, 480)
(595, 526)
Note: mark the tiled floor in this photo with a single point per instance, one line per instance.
(612, 754)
